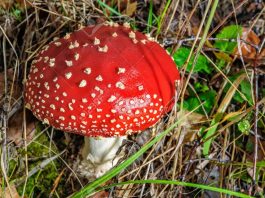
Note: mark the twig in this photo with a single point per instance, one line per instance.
(56, 182)
(146, 175)
(255, 127)
(173, 41)
(4, 120)
(39, 167)
(16, 106)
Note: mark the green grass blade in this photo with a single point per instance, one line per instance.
(179, 183)
(112, 10)
(208, 24)
(208, 136)
(150, 16)
(162, 17)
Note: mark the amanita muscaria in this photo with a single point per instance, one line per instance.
(105, 81)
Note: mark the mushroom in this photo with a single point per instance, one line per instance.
(103, 82)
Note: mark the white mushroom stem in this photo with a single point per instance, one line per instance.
(100, 155)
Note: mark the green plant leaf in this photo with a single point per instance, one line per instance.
(199, 87)
(220, 63)
(202, 65)
(16, 12)
(228, 32)
(207, 98)
(244, 88)
(244, 126)
(112, 10)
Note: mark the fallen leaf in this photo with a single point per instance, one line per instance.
(6, 4)
(131, 8)
(190, 124)
(7, 194)
(247, 50)
(219, 55)
(223, 56)
(101, 194)
(15, 130)
(261, 57)
(233, 115)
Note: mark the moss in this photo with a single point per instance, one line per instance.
(40, 183)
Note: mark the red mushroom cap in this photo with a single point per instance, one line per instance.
(106, 80)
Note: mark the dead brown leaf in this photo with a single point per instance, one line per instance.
(6, 4)
(131, 8)
(127, 7)
(7, 194)
(247, 49)
(261, 57)
(190, 124)
(15, 130)
(101, 194)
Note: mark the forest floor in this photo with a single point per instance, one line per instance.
(212, 144)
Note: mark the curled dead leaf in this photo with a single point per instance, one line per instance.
(247, 47)
(190, 124)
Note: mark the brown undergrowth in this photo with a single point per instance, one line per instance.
(38, 161)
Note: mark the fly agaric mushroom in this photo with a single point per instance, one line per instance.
(104, 81)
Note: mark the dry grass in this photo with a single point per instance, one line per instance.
(26, 26)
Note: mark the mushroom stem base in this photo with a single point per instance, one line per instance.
(99, 155)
